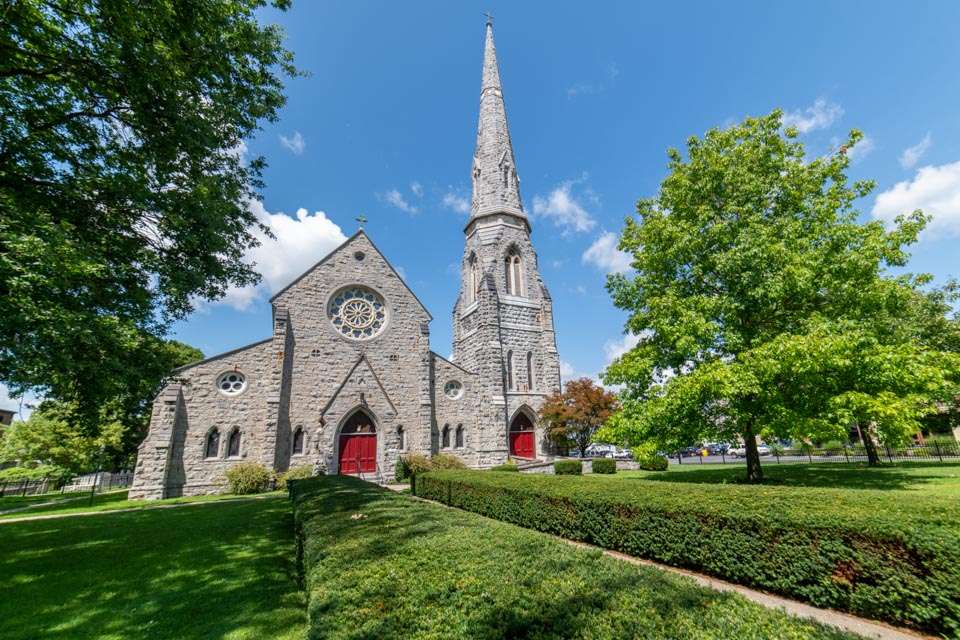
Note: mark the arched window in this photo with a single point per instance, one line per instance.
(298, 441)
(459, 440)
(233, 444)
(401, 439)
(509, 369)
(530, 376)
(445, 444)
(514, 273)
(473, 279)
(212, 448)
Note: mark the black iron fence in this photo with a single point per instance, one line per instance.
(92, 482)
(934, 452)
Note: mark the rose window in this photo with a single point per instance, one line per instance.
(453, 389)
(358, 313)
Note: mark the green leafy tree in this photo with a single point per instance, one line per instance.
(124, 196)
(573, 416)
(763, 305)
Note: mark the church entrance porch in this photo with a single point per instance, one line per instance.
(358, 445)
(522, 437)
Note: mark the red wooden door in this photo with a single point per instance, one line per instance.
(358, 453)
(521, 444)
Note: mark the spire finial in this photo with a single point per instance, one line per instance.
(361, 220)
(489, 18)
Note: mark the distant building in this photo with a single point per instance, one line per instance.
(6, 417)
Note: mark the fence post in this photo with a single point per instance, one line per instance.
(701, 458)
(845, 454)
(679, 458)
(889, 456)
(777, 454)
(23, 493)
(723, 458)
(809, 456)
(3, 488)
(936, 445)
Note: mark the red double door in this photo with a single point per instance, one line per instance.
(358, 453)
(522, 438)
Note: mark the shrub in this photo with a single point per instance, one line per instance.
(828, 547)
(507, 466)
(416, 463)
(653, 462)
(377, 564)
(604, 465)
(298, 472)
(248, 477)
(443, 461)
(568, 467)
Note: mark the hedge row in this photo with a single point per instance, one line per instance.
(604, 465)
(378, 564)
(804, 545)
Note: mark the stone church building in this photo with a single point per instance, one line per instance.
(347, 382)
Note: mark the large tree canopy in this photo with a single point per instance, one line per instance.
(764, 305)
(123, 193)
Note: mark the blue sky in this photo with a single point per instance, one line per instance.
(595, 93)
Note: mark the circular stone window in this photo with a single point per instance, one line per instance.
(453, 389)
(358, 313)
(231, 383)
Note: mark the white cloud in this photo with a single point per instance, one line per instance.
(820, 115)
(580, 289)
(395, 199)
(613, 349)
(416, 188)
(557, 264)
(300, 243)
(456, 202)
(935, 190)
(295, 143)
(566, 369)
(911, 155)
(564, 208)
(604, 255)
(862, 149)
(401, 271)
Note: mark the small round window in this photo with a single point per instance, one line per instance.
(231, 383)
(453, 389)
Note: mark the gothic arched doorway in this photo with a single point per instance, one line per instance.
(522, 437)
(358, 445)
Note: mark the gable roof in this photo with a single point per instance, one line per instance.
(361, 360)
(452, 364)
(342, 246)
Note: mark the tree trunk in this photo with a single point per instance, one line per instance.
(754, 472)
(868, 434)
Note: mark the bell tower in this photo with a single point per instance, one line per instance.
(503, 318)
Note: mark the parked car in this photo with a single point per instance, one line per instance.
(717, 448)
(601, 451)
(741, 451)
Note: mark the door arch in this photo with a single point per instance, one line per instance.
(357, 445)
(522, 441)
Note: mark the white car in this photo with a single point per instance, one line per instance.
(741, 452)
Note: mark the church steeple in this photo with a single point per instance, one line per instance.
(496, 187)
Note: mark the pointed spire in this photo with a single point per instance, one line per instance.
(496, 186)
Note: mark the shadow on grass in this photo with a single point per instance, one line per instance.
(380, 565)
(909, 475)
(167, 573)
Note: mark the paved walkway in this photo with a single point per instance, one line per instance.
(839, 620)
(52, 516)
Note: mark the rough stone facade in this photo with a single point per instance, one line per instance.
(322, 365)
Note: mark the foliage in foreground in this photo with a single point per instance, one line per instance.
(125, 194)
(756, 287)
(245, 478)
(194, 573)
(512, 467)
(380, 565)
(830, 549)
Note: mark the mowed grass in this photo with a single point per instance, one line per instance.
(219, 570)
(383, 565)
(113, 501)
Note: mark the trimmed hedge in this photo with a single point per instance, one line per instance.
(604, 465)
(377, 564)
(654, 463)
(833, 548)
(568, 468)
(507, 466)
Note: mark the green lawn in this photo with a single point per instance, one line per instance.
(112, 501)
(926, 478)
(383, 565)
(219, 570)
